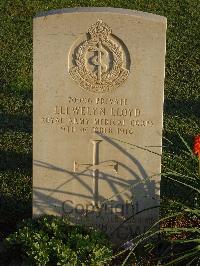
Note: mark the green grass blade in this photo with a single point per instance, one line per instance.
(182, 183)
(181, 229)
(189, 254)
(186, 145)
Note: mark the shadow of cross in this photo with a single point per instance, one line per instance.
(96, 167)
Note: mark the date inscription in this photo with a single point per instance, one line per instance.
(103, 115)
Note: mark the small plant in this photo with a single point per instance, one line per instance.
(54, 241)
(175, 238)
(180, 225)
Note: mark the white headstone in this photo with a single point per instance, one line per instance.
(98, 116)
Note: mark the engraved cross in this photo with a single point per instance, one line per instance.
(96, 166)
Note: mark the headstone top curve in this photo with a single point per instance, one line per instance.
(113, 10)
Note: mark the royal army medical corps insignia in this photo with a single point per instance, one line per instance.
(101, 63)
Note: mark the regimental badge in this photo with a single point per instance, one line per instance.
(102, 62)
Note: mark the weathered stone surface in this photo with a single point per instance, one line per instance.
(97, 116)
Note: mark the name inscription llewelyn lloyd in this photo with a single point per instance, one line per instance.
(92, 116)
(98, 95)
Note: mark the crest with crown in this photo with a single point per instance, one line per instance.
(99, 30)
(99, 78)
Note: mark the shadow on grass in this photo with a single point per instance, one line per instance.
(177, 158)
(16, 110)
(172, 142)
(15, 163)
(16, 122)
(12, 211)
(10, 160)
(182, 108)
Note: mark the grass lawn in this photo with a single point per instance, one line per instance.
(182, 95)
